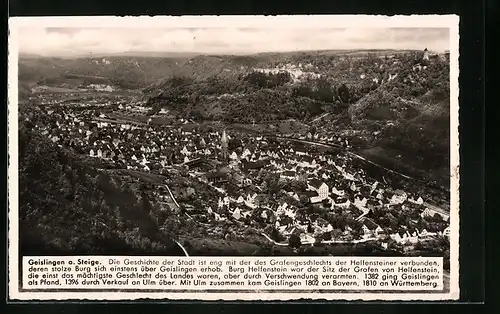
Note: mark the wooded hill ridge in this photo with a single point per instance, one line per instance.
(397, 95)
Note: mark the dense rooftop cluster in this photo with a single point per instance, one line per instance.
(274, 185)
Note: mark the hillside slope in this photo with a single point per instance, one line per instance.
(395, 108)
(377, 88)
(124, 72)
(143, 70)
(66, 206)
(411, 115)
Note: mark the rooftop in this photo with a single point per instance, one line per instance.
(316, 183)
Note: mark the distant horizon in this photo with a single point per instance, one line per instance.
(145, 53)
(71, 41)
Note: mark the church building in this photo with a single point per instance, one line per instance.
(224, 145)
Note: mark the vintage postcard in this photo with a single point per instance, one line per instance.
(233, 158)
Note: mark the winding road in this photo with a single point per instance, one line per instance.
(320, 117)
(322, 242)
(183, 249)
(172, 196)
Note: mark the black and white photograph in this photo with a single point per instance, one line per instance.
(253, 140)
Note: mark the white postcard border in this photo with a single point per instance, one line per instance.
(305, 21)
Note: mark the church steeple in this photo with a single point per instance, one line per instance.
(224, 144)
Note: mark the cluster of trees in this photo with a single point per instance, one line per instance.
(322, 89)
(266, 105)
(439, 247)
(426, 138)
(377, 105)
(361, 89)
(264, 97)
(267, 80)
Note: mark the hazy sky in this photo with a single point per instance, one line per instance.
(68, 41)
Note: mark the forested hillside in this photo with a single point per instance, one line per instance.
(67, 206)
(396, 107)
(376, 88)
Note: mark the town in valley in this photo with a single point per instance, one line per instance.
(231, 180)
(304, 153)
